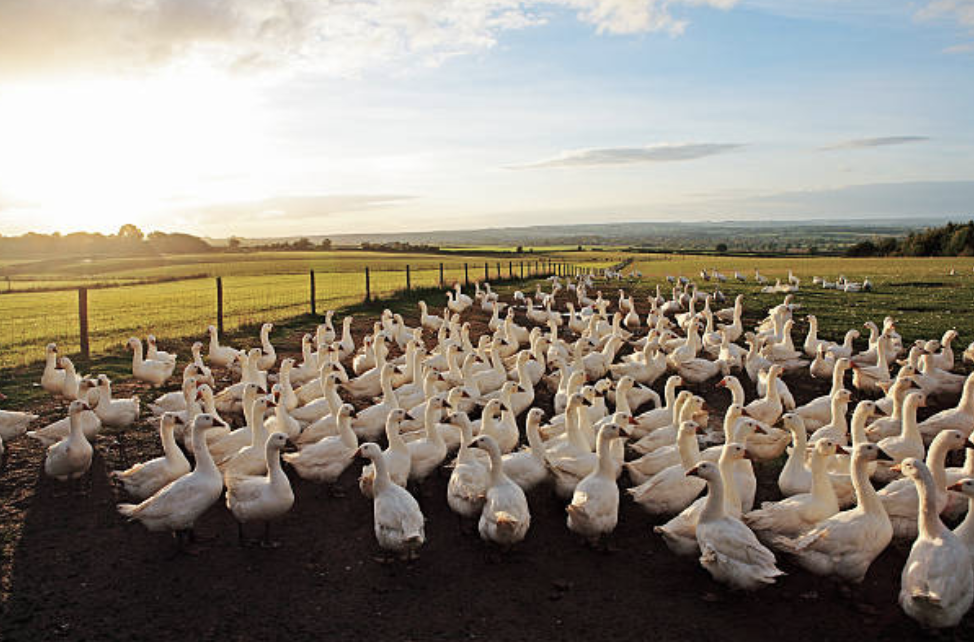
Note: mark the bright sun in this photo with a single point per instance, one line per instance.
(92, 155)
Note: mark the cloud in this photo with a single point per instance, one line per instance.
(331, 36)
(288, 209)
(863, 143)
(960, 11)
(661, 153)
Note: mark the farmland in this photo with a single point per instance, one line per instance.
(175, 296)
(274, 286)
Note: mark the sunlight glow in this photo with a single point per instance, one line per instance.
(95, 154)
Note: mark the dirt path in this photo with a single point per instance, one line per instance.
(72, 569)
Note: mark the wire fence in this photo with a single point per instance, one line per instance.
(91, 321)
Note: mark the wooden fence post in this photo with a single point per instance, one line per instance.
(498, 270)
(219, 304)
(510, 269)
(313, 302)
(466, 276)
(486, 272)
(522, 269)
(83, 321)
(441, 275)
(408, 284)
(367, 296)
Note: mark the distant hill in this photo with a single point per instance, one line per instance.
(737, 234)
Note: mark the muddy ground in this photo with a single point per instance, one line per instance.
(73, 569)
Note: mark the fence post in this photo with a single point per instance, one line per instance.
(486, 272)
(510, 269)
(367, 297)
(498, 270)
(441, 275)
(83, 321)
(219, 304)
(466, 275)
(522, 269)
(408, 284)
(313, 307)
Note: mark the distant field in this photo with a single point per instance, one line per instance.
(258, 287)
(917, 292)
(75, 272)
(275, 286)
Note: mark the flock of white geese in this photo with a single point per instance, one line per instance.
(450, 401)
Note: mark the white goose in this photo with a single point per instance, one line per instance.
(937, 583)
(965, 531)
(14, 423)
(594, 509)
(526, 467)
(795, 477)
(220, 356)
(268, 356)
(115, 413)
(670, 490)
(147, 478)
(505, 517)
(729, 550)
(52, 379)
(900, 497)
(396, 454)
(468, 482)
(817, 412)
(325, 460)
(793, 516)
(398, 521)
(70, 458)
(176, 507)
(149, 370)
(961, 417)
(262, 498)
(680, 533)
(58, 430)
(428, 453)
(846, 544)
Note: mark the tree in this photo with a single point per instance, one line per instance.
(129, 232)
(520, 249)
(722, 247)
(324, 245)
(302, 244)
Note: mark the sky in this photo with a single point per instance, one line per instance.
(264, 118)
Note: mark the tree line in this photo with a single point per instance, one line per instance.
(953, 239)
(129, 240)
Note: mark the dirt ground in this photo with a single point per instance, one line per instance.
(73, 569)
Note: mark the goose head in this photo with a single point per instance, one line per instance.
(964, 486)
(369, 450)
(705, 470)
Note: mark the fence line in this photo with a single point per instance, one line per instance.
(104, 318)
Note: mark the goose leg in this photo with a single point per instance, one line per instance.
(267, 542)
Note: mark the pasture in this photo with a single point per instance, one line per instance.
(176, 296)
(551, 584)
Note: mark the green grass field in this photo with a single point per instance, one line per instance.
(917, 292)
(275, 287)
(257, 287)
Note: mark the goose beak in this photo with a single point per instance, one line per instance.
(839, 450)
(358, 453)
(896, 468)
(748, 455)
(693, 472)
(969, 444)
(633, 422)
